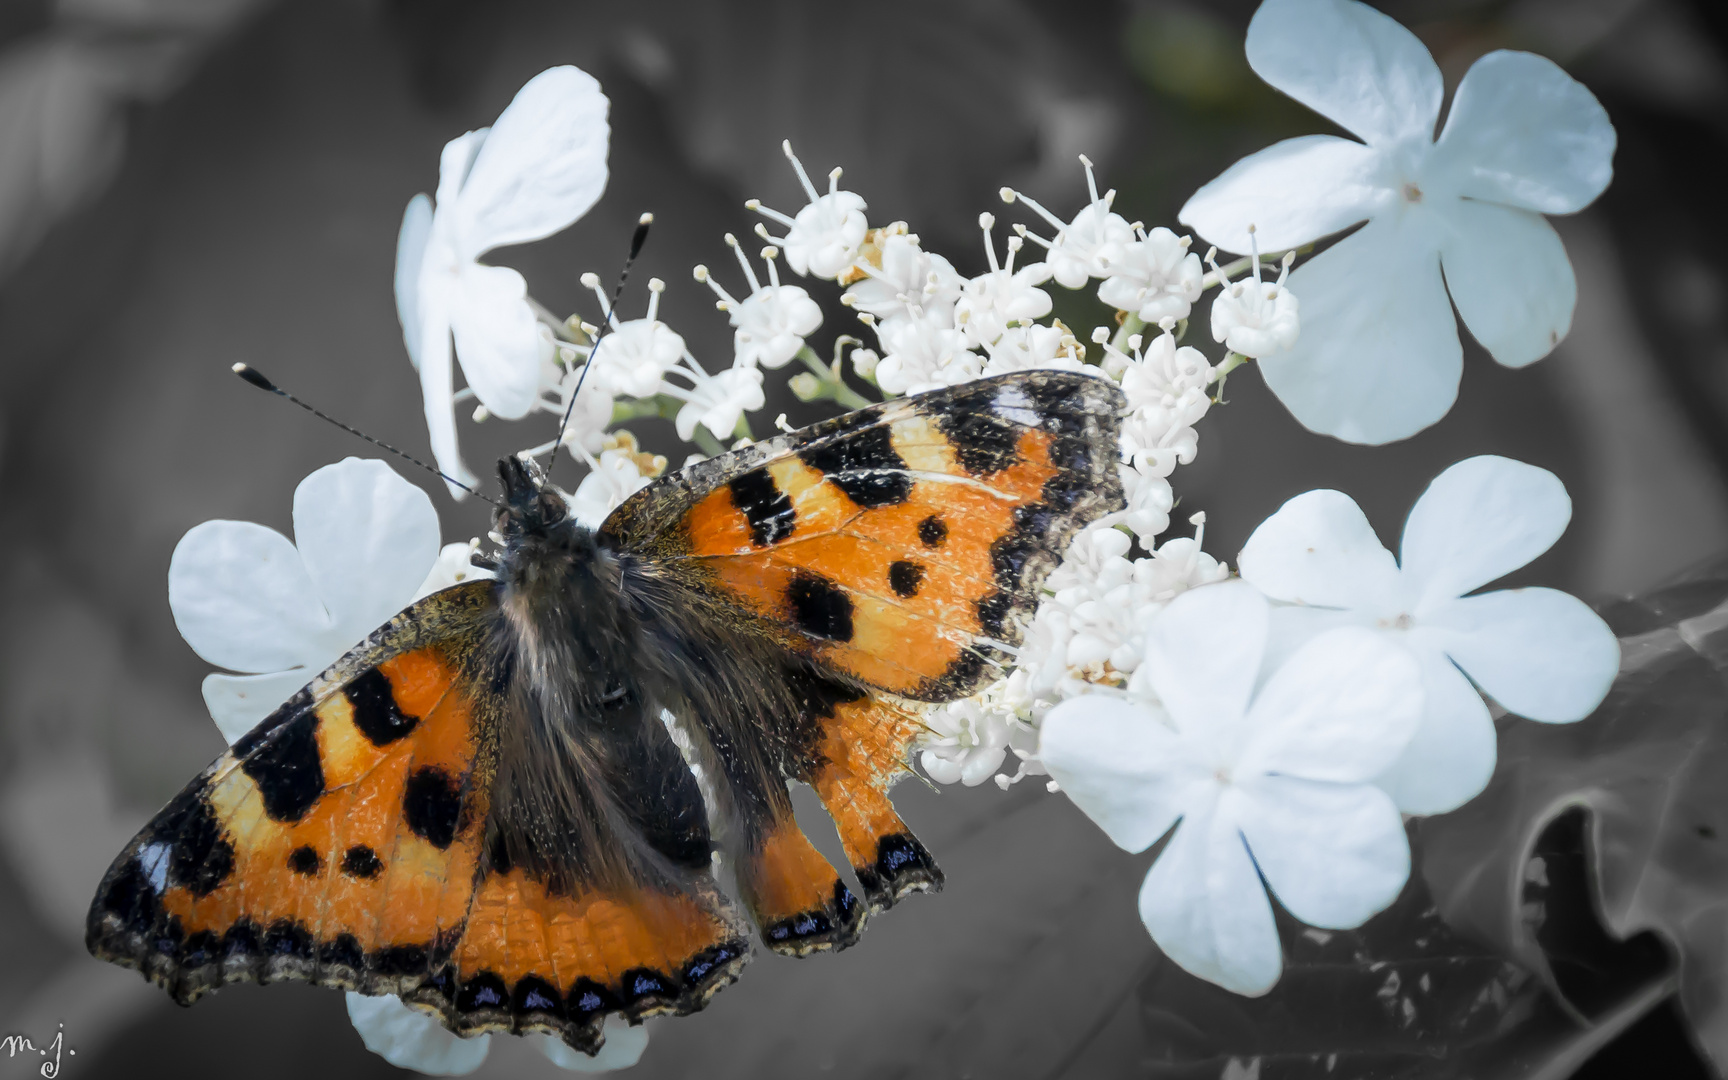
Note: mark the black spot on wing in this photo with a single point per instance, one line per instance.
(342, 952)
(588, 999)
(432, 805)
(201, 858)
(933, 531)
(765, 506)
(983, 444)
(710, 960)
(905, 577)
(532, 994)
(645, 984)
(376, 713)
(362, 862)
(286, 768)
(820, 607)
(864, 465)
(303, 860)
(288, 938)
(484, 991)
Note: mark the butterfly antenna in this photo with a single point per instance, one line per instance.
(256, 378)
(637, 239)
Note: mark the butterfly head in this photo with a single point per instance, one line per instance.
(531, 505)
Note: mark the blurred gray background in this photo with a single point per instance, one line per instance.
(187, 183)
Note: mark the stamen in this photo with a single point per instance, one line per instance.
(834, 180)
(1014, 246)
(1091, 180)
(725, 303)
(1254, 249)
(987, 222)
(768, 255)
(732, 242)
(655, 288)
(775, 215)
(803, 177)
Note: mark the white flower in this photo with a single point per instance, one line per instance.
(1379, 357)
(717, 401)
(1165, 386)
(633, 356)
(966, 742)
(247, 599)
(1253, 317)
(1034, 345)
(539, 168)
(919, 353)
(1152, 275)
(773, 321)
(1540, 653)
(907, 280)
(824, 238)
(1082, 247)
(616, 476)
(1273, 784)
(992, 301)
(409, 1039)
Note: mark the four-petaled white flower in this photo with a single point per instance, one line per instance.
(539, 168)
(635, 355)
(966, 743)
(409, 1039)
(248, 599)
(770, 324)
(717, 402)
(1540, 653)
(1152, 275)
(921, 353)
(611, 479)
(1082, 248)
(1379, 358)
(824, 238)
(1273, 784)
(1003, 296)
(903, 280)
(1253, 317)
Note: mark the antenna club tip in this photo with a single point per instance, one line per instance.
(645, 219)
(253, 376)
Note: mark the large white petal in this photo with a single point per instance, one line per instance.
(368, 539)
(541, 168)
(1511, 279)
(242, 599)
(1341, 709)
(1119, 764)
(1334, 854)
(238, 702)
(409, 1039)
(623, 1048)
(1348, 63)
(1478, 521)
(1379, 358)
(1293, 192)
(1451, 757)
(410, 256)
(454, 163)
(1204, 905)
(1319, 549)
(438, 388)
(497, 338)
(1539, 652)
(1525, 133)
(1203, 655)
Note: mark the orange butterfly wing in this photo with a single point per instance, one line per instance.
(342, 842)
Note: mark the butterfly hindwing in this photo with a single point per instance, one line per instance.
(345, 842)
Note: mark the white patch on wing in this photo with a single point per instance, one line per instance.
(1011, 403)
(153, 860)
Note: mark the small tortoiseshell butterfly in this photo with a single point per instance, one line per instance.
(480, 809)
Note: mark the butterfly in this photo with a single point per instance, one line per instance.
(504, 805)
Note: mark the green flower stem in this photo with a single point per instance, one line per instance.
(1230, 363)
(1131, 324)
(834, 387)
(706, 442)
